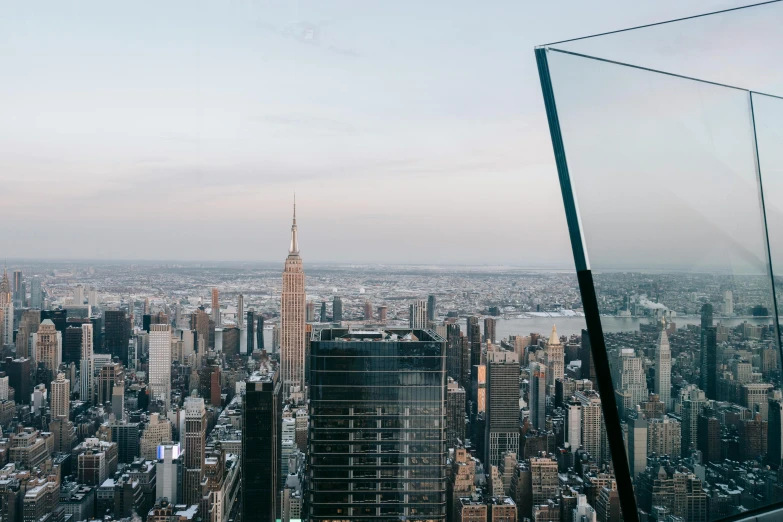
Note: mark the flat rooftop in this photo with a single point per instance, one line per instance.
(377, 335)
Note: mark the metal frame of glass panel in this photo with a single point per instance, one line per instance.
(763, 162)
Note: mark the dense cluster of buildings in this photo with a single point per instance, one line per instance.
(363, 408)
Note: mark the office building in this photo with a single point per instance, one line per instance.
(455, 414)
(367, 311)
(86, 369)
(775, 439)
(382, 311)
(310, 312)
(709, 355)
(160, 362)
(60, 397)
(474, 338)
(537, 402)
(261, 435)
(16, 289)
(708, 437)
(554, 358)
(72, 343)
(630, 381)
(48, 346)
(593, 433)
(292, 321)
(28, 325)
(453, 352)
(251, 331)
(241, 311)
(692, 406)
(7, 309)
(126, 435)
(346, 415)
(664, 437)
(573, 435)
(544, 480)
(216, 308)
(502, 406)
(92, 297)
(337, 309)
(78, 295)
(18, 371)
(663, 369)
(490, 327)
(109, 375)
(156, 432)
(728, 303)
(260, 333)
(432, 313)
(637, 445)
(36, 294)
(168, 472)
(323, 312)
(195, 440)
(117, 334)
(418, 314)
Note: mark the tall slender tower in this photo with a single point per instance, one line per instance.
(292, 318)
(86, 365)
(554, 358)
(7, 308)
(663, 368)
(241, 312)
(215, 307)
(160, 362)
(195, 439)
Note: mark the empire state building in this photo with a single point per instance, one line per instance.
(292, 326)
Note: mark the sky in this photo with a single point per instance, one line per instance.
(411, 132)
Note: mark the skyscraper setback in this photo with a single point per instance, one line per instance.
(292, 319)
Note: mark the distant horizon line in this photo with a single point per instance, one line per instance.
(86, 260)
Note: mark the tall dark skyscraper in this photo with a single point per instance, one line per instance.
(455, 414)
(323, 312)
(261, 437)
(18, 296)
(474, 338)
(260, 333)
(372, 428)
(337, 309)
(775, 439)
(18, 371)
(502, 406)
(58, 317)
(72, 344)
(453, 351)
(251, 331)
(117, 334)
(489, 329)
(431, 304)
(709, 354)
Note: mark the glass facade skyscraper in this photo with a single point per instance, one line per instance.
(377, 434)
(261, 436)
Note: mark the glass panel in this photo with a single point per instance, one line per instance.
(664, 174)
(740, 47)
(768, 120)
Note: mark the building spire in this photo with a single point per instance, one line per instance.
(294, 248)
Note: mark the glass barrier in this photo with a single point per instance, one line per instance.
(672, 187)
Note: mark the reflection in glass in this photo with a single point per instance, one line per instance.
(668, 214)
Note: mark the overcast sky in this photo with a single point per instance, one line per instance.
(411, 132)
